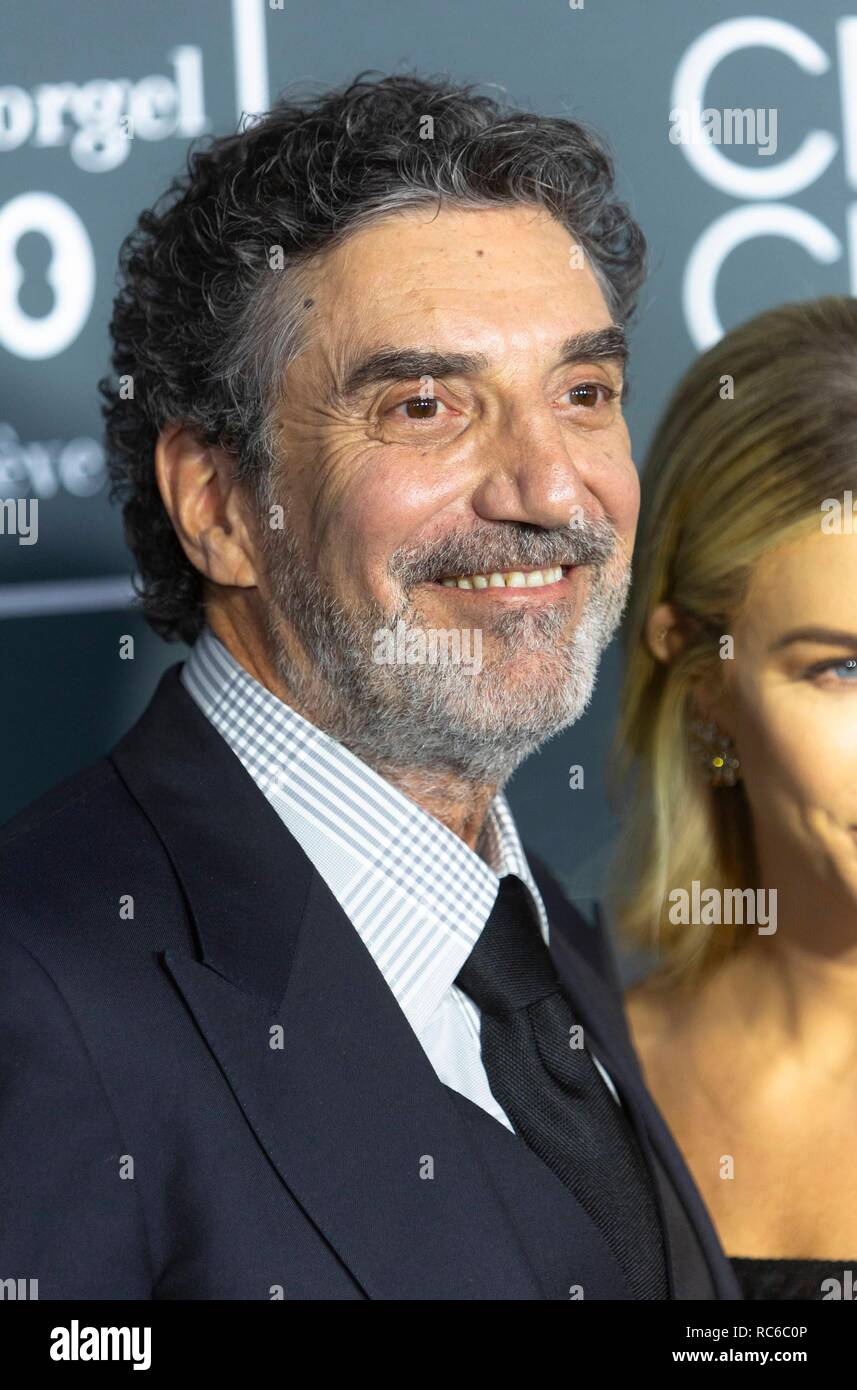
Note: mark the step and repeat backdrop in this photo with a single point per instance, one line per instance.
(735, 137)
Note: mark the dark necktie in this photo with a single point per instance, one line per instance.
(553, 1092)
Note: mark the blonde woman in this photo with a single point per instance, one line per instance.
(739, 740)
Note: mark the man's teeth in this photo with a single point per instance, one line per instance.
(507, 579)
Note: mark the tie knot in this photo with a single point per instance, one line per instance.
(510, 966)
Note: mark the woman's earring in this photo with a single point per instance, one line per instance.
(715, 752)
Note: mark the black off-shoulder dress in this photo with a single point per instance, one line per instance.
(807, 1280)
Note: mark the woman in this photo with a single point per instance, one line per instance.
(739, 738)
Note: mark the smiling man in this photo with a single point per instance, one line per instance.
(292, 1011)
(453, 456)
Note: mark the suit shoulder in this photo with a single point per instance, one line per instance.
(70, 795)
(66, 860)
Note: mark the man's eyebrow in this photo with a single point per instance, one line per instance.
(828, 636)
(596, 344)
(404, 364)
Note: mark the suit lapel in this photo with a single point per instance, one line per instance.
(345, 1104)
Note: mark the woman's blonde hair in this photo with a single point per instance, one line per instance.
(760, 431)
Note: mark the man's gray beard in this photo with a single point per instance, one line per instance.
(443, 717)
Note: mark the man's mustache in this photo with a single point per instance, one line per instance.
(507, 548)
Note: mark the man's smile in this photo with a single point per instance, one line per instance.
(524, 583)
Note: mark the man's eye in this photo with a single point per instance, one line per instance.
(587, 394)
(418, 408)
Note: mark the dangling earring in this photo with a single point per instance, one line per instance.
(715, 752)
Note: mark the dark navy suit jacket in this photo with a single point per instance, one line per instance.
(154, 1144)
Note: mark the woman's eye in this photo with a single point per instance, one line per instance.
(418, 408)
(589, 393)
(848, 668)
(844, 671)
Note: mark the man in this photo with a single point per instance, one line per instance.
(289, 1011)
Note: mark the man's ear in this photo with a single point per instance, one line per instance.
(208, 509)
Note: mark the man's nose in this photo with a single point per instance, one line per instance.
(531, 472)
